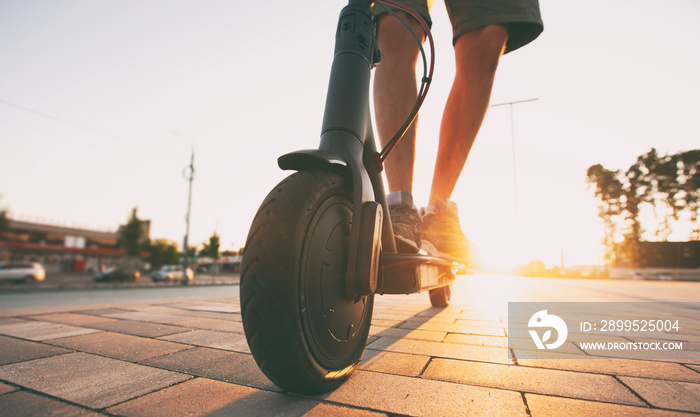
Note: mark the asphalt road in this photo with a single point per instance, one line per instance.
(37, 299)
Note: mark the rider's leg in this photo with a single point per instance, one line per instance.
(477, 53)
(395, 92)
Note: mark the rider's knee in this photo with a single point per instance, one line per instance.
(484, 45)
(395, 42)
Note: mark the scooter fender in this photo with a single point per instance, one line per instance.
(363, 260)
(310, 159)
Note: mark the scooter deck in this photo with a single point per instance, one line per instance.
(404, 273)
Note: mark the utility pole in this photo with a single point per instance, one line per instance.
(188, 173)
(515, 176)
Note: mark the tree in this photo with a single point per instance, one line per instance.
(163, 252)
(609, 191)
(211, 249)
(4, 222)
(667, 186)
(130, 238)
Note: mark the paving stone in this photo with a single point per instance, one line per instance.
(405, 310)
(482, 323)
(507, 342)
(158, 309)
(92, 381)
(120, 346)
(673, 395)
(542, 381)
(453, 328)
(417, 321)
(453, 310)
(214, 315)
(72, 319)
(206, 314)
(385, 323)
(217, 308)
(23, 403)
(406, 333)
(149, 317)
(541, 405)
(626, 367)
(4, 389)
(200, 396)
(41, 330)
(102, 311)
(442, 350)
(437, 312)
(239, 368)
(209, 338)
(477, 340)
(415, 396)
(386, 316)
(196, 397)
(394, 363)
(324, 410)
(459, 313)
(15, 350)
(10, 320)
(140, 328)
(212, 324)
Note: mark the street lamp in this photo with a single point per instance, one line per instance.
(188, 174)
(515, 177)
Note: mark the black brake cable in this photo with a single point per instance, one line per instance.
(427, 73)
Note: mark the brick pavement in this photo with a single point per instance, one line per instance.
(189, 357)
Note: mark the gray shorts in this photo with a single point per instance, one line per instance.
(521, 17)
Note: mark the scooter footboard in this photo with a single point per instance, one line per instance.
(407, 273)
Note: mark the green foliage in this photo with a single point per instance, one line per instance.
(4, 222)
(211, 249)
(130, 236)
(669, 185)
(163, 252)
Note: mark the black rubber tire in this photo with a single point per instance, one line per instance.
(304, 335)
(440, 297)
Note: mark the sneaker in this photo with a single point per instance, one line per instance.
(406, 221)
(442, 233)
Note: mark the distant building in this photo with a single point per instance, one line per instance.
(63, 249)
(225, 264)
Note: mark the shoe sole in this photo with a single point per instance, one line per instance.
(433, 251)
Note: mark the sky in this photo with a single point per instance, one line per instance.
(102, 103)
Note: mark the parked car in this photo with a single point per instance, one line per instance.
(117, 274)
(22, 271)
(171, 273)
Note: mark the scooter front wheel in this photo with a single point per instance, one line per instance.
(304, 334)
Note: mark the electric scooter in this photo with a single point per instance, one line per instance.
(321, 244)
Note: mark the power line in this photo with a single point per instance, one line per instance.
(57, 119)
